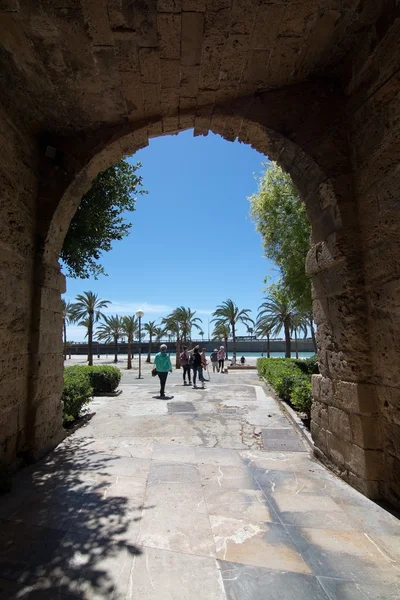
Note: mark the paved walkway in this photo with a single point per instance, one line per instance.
(210, 495)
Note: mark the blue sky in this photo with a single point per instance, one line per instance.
(192, 242)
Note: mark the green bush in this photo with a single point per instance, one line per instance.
(291, 381)
(309, 366)
(76, 394)
(103, 379)
(301, 397)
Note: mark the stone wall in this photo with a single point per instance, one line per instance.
(312, 85)
(375, 138)
(356, 412)
(19, 190)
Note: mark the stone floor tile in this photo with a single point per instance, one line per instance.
(339, 589)
(224, 477)
(163, 575)
(172, 453)
(311, 512)
(164, 472)
(279, 461)
(133, 448)
(45, 510)
(372, 519)
(259, 544)
(244, 582)
(188, 532)
(284, 440)
(115, 510)
(89, 567)
(346, 555)
(9, 589)
(290, 482)
(240, 504)
(176, 496)
(219, 456)
(24, 548)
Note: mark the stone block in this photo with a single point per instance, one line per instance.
(169, 33)
(358, 398)
(325, 390)
(391, 437)
(339, 423)
(192, 38)
(170, 73)
(337, 449)
(366, 431)
(366, 464)
(319, 437)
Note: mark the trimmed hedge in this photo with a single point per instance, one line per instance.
(291, 381)
(103, 379)
(81, 383)
(77, 393)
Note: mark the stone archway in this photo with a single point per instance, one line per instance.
(292, 82)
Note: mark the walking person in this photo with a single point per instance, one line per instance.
(204, 362)
(221, 358)
(197, 367)
(185, 365)
(163, 365)
(214, 360)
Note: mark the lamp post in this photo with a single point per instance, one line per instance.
(139, 315)
(169, 333)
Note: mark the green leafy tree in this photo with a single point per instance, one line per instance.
(152, 330)
(221, 333)
(67, 318)
(86, 311)
(111, 330)
(229, 313)
(281, 218)
(130, 327)
(99, 219)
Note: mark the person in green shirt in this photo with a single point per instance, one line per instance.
(163, 365)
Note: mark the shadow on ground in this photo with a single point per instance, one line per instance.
(65, 529)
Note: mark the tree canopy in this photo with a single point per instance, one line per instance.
(99, 220)
(281, 218)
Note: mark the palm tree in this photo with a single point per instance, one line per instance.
(201, 333)
(67, 319)
(187, 321)
(150, 328)
(129, 328)
(221, 333)
(278, 311)
(263, 329)
(229, 313)
(111, 331)
(86, 311)
(159, 332)
(172, 323)
(299, 325)
(181, 322)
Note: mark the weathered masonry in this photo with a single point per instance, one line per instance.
(313, 84)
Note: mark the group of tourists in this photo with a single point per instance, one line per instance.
(193, 363)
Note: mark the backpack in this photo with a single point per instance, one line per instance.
(191, 359)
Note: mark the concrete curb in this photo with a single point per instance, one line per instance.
(292, 416)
